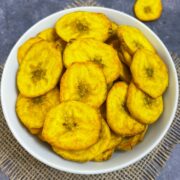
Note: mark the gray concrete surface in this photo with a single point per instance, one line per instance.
(16, 16)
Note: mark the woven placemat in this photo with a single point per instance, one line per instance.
(16, 163)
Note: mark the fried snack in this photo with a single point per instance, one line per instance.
(40, 70)
(34, 130)
(91, 152)
(84, 82)
(113, 29)
(127, 58)
(141, 106)
(72, 125)
(149, 73)
(118, 118)
(48, 35)
(125, 74)
(105, 155)
(148, 10)
(105, 56)
(23, 49)
(128, 143)
(32, 111)
(82, 24)
(132, 39)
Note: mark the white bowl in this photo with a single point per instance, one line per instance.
(119, 160)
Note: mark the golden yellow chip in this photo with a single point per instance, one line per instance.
(83, 24)
(118, 118)
(125, 74)
(32, 111)
(72, 125)
(23, 49)
(105, 56)
(141, 106)
(107, 153)
(127, 58)
(40, 70)
(48, 35)
(84, 82)
(132, 39)
(128, 143)
(148, 10)
(104, 156)
(149, 73)
(34, 130)
(91, 152)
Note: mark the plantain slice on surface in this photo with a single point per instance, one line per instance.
(83, 24)
(141, 106)
(132, 39)
(32, 111)
(148, 10)
(72, 125)
(49, 35)
(149, 73)
(105, 56)
(118, 117)
(128, 143)
(23, 49)
(40, 70)
(84, 82)
(107, 153)
(91, 152)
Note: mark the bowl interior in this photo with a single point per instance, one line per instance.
(119, 160)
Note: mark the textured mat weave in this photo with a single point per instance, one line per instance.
(16, 163)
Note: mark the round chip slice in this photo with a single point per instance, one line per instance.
(132, 39)
(128, 143)
(104, 156)
(91, 152)
(72, 125)
(84, 82)
(48, 35)
(32, 111)
(141, 106)
(118, 118)
(105, 56)
(23, 49)
(82, 24)
(149, 73)
(148, 10)
(40, 70)
(114, 141)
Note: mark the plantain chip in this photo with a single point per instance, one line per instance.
(48, 35)
(23, 49)
(118, 118)
(148, 10)
(32, 111)
(141, 106)
(105, 56)
(82, 24)
(91, 152)
(132, 39)
(105, 155)
(40, 70)
(149, 73)
(72, 125)
(127, 58)
(84, 82)
(128, 143)
(34, 130)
